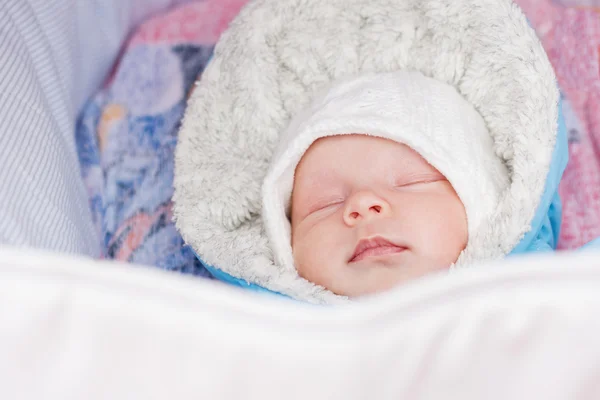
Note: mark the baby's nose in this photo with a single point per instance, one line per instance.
(364, 205)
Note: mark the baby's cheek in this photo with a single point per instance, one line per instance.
(304, 252)
(456, 237)
(308, 262)
(316, 257)
(460, 224)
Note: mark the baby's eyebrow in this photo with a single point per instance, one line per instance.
(319, 180)
(323, 176)
(414, 166)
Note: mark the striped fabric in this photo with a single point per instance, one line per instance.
(53, 55)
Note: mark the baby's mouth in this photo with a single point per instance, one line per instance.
(376, 246)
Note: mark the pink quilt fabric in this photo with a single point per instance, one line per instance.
(570, 33)
(127, 134)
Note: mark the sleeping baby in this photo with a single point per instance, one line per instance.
(381, 180)
(335, 149)
(368, 213)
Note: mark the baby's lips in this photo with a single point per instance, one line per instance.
(379, 251)
(374, 246)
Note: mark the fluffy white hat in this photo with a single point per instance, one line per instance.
(427, 115)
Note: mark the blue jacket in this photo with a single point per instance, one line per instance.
(545, 227)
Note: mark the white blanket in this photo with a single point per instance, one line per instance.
(77, 329)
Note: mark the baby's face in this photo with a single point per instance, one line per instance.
(370, 213)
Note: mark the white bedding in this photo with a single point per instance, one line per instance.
(77, 329)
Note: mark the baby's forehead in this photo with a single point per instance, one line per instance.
(332, 154)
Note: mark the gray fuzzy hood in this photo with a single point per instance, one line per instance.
(277, 54)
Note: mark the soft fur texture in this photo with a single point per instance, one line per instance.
(429, 116)
(277, 54)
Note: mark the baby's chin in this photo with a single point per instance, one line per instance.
(380, 274)
(371, 275)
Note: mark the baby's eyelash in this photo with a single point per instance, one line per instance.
(417, 181)
(322, 206)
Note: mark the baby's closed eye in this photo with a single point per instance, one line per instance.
(324, 203)
(418, 179)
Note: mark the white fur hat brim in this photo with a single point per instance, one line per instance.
(277, 55)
